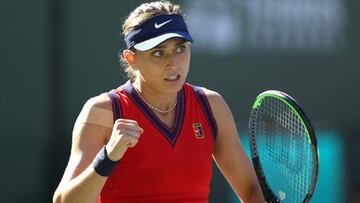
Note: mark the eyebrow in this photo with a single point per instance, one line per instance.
(182, 41)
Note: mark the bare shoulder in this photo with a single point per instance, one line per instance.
(100, 101)
(97, 111)
(221, 112)
(216, 101)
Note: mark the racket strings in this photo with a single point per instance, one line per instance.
(284, 150)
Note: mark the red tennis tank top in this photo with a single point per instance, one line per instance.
(167, 164)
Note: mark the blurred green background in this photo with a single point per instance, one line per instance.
(55, 54)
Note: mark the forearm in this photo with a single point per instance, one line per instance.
(246, 187)
(253, 195)
(238, 171)
(85, 188)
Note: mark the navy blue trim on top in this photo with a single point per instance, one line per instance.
(171, 134)
(116, 105)
(205, 106)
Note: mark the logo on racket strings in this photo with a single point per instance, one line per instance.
(282, 195)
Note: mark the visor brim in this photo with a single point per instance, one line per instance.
(153, 42)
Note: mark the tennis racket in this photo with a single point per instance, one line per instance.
(283, 148)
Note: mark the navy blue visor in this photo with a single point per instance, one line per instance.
(156, 30)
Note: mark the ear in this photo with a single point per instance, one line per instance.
(129, 57)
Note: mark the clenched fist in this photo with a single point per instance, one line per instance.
(125, 134)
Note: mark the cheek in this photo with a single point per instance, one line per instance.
(184, 60)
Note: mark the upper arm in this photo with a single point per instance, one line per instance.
(228, 152)
(227, 138)
(90, 133)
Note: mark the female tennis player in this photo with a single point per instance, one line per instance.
(153, 138)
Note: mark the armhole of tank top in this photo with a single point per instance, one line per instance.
(205, 106)
(116, 105)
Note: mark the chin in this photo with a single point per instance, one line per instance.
(175, 85)
(175, 89)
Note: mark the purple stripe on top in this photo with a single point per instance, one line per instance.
(205, 106)
(116, 105)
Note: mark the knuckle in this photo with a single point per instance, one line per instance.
(119, 120)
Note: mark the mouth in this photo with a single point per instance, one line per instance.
(173, 78)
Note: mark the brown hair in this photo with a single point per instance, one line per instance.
(139, 15)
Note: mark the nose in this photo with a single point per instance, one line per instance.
(171, 62)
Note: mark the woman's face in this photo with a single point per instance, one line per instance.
(165, 67)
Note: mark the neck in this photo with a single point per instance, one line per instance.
(157, 101)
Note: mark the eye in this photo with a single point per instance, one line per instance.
(157, 53)
(180, 49)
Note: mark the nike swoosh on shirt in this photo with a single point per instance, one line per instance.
(157, 26)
